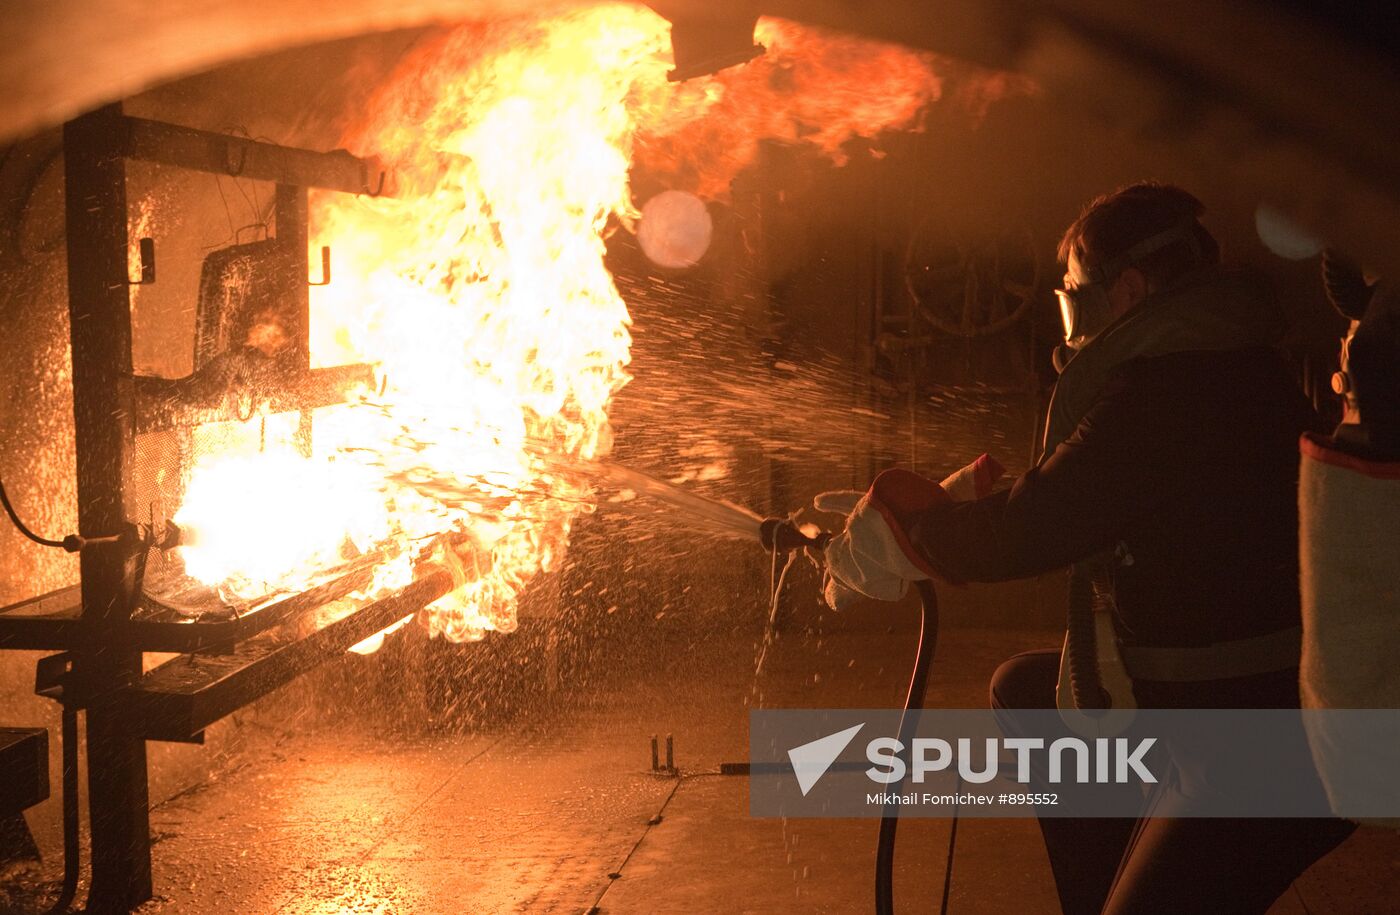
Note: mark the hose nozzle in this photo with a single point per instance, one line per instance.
(784, 534)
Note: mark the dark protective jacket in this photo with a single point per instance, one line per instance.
(1185, 460)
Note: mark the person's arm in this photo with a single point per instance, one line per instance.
(1112, 470)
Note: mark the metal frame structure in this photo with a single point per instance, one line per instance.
(99, 626)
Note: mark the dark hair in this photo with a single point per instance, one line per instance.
(1113, 223)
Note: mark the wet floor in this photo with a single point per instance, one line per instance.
(559, 811)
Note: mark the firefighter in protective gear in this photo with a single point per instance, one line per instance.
(1170, 460)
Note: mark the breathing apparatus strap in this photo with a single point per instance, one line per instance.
(1182, 231)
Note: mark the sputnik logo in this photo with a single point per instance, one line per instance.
(811, 760)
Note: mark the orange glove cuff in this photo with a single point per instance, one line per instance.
(900, 496)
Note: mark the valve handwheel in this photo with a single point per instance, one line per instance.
(971, 290)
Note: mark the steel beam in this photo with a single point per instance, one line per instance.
(183, 696)
(99, 313)
(55, 622)
(170, 403)
(295, 293)
(291, 210)
(204, 151)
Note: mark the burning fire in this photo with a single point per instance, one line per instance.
(479, 293)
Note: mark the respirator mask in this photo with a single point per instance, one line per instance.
(1085, 308)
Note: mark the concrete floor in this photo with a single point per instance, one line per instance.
(536, 818)
(557, 811)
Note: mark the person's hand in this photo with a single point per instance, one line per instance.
(869, 557)
(873, 557)
(836, 502)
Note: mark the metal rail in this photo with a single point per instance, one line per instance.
(151, 627)
(180, 698)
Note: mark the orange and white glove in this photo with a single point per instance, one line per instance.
(873, 556)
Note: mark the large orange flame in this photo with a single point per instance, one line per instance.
(480, 295)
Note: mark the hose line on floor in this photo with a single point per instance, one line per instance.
(908, 723)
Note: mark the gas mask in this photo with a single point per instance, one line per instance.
(1085, 308)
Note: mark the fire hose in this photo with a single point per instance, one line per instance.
(781, 535)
